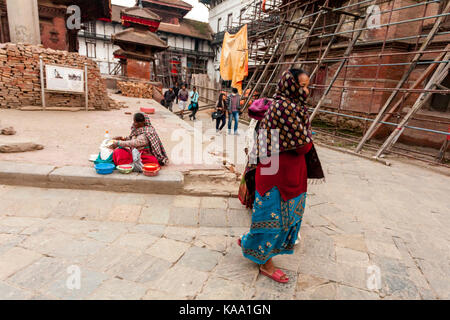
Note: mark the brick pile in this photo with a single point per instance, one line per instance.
(136, 89)
(20, 83)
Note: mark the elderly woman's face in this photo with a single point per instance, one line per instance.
(138, 124)
(303, 80)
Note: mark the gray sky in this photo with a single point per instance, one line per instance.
(200, 12)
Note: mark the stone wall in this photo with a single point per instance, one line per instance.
(136, 89)
(20, 83)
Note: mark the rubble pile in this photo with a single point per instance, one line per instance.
(135, 89)
(20, 83)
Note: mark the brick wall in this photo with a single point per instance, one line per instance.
(138, 69)
(20, 78)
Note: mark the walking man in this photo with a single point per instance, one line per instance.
(169, 97)
(183, 96)
(194, 103)
(234, 107)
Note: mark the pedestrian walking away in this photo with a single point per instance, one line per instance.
(194, 103)
(221, 109)
(234, 107)
(279, 191)
(183, 96)
(169, 98)
(176, 90)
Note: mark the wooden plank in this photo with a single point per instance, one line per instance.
(438, 77)
(432, 67)
(346, 55)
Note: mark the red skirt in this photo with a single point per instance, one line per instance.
(124, 156)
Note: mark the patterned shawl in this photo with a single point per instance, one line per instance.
(288, 116)
(156, 147)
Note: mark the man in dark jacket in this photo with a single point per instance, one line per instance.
(169, 97)
(234, 108)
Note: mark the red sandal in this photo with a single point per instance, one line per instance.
(276, 276)
(239, 242)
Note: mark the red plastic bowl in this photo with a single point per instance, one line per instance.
(148, 110)
(151, 167)
(151, 173)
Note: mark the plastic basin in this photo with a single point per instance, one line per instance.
(148, 110)
(104, 168)
(125, 168)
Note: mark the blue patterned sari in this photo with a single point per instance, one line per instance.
(275, 226)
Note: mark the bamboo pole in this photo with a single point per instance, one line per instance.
(404, 78)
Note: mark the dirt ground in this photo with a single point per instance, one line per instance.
(70, 138)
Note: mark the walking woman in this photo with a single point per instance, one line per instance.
(221, 108)
(280, 181)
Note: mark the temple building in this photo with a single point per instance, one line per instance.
(189, 42)
(138, 43)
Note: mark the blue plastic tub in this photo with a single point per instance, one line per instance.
(104, 168)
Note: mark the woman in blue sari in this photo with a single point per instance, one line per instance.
(280, 164)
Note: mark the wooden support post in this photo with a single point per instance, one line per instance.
(346, 54)
(438, 77)
(41, 64)
(405, 77)
(86, 88)
(297, 54)
(431, 68)
(273, 43)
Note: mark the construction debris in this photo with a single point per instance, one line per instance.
(134, 89)
(20, 147)
(21, 83)
(9, 131)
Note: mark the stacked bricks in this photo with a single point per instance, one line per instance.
(136, 89)
(20, 83)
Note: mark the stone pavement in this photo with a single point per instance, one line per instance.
(369, 222)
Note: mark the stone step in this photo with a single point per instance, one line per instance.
(167, 182)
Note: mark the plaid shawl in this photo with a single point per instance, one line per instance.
(156, 147)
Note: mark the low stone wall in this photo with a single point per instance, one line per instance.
(20, 83)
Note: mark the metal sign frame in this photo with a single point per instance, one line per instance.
(44, 89)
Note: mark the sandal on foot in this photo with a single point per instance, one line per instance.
(276, 276)
(239, 242)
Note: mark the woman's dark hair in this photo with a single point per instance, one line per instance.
(297, 72)
(220, 102)
(234, 90)
(139, 117)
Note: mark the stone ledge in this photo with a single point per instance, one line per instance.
(167, 182)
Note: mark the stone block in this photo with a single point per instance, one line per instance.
(117, 289)
(200, 259)
(16, 259)
(168, 249)
(213, 218)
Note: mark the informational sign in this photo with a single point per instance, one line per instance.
(64, 79)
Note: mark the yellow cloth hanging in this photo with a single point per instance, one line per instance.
(234, 58)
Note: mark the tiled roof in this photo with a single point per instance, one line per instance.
(188, 27)
(144, 13)
(116, 13)
(146, 38)
(177, 3)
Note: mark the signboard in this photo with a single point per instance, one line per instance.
(64, 79)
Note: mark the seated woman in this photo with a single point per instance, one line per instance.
(144, 138)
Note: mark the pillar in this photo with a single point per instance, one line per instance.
(23, 19)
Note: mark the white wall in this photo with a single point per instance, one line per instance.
(104, 48)
(222, 10)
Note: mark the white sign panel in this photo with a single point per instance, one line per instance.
(64, 79)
